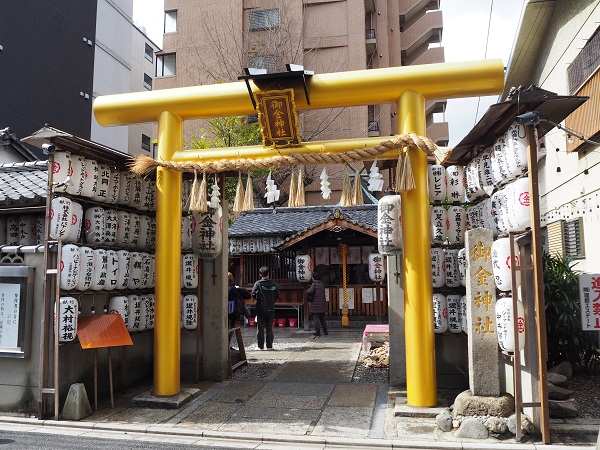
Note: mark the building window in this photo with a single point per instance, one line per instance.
(147, 82)
(146, 142)
(165, 65)
(268, 62)
(171, 21)
(265, 19)
(149, 53)
(565, 238)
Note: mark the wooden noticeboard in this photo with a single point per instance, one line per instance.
(107, 330)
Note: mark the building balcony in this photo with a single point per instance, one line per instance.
(430, 55)
(424, 31)
(413, 8)
(370, 41)
(438, 133)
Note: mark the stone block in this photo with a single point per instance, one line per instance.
(557, 379)
(444, 421)
(526, 424)
(471, 428)
(559, 393)
(77, 405)
(563, 409)
(467, 404)
(564, 368)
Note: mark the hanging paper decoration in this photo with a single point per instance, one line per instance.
(27, 234)
(456, 184)
(86, 269)
(516, 150)
(76, 223)
(462, 266)
(439, 224)
(293, 190)
(100, 268)
(457, 224)
(238, 204)
(389, 224)
(69, 267)
(90, 182)
(505, 324)
(124, 269)
(249, 198)
(346, 198)
(454, 313)
(189, 271)
(134, 305)
(67, 319)
(119, 305)
(501, 264)
(61, 170)
(304, 268)
(463, 315)
(376, 267)
(136, 228)
(436, 180)
(135, 271)
(272, 194)
(112, 270)
(325, 190)
(438, 273)
(519, 205)
(207, 236)
(375, 178)
(186, 232)
(77, 175)
(189, 311)
(215, 193)
(61, 215)
(300, 195)
(94, 225)
(451, 268)
(440, 313)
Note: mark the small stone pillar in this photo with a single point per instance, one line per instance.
(77, 405)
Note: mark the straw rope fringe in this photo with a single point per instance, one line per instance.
(142, 165)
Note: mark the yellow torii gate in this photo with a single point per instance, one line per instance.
(408, 86)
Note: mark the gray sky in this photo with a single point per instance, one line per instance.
(464, 39)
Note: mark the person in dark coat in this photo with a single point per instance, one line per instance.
(318, 306)
(236, 307)
(266, 293)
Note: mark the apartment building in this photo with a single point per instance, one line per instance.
(57, 57)
(213, 41)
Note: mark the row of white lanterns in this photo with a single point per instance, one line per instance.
(377, 267)
(138, 313)
(264, 244)
(101, 182)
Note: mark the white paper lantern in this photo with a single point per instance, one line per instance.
(456, 183)
(519, 205)
(125, 179)
(143, 313)
(266, 244)
(439, 224)
(61, 215)
(501, 264)
(186, 232)
(27, 234)
(90, 180)
(61, 169)
(135, 271)
(124, 269)
(488, 216)
(189, 271)
(463, 315)
(207, 237)
(516, 149)
(457, 225)
(100, 270)
(475, 217)
(111, 223)
(377, 267)
(474, 189)
(69, 267)
(484, 165)
(77, 175)
(451, 268)
(153, 195)
(462, 266)
(252, 245)
(454, 313)
(152, 231)
(499, 163)
(145, 241)
(67, 319)
(149, 300)
(102, 189)
(136, 229)
(436, 179)
(499, 206)
(137, 188)
(438, 273)
(113, 186)
(440, 313)
(304, 268)
(389, 224)
(94, 225)
(86, 269)
(152, 280)
(134, 305)
(112, 270)
(259, 245)
(189, 311)
(76, 223)
(123, 235)
(147, 189)
(119, 305)
(505, 324)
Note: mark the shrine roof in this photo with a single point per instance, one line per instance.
(23, 184)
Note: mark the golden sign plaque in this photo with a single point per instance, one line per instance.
(277, 117)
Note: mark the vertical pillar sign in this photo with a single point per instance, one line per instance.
(10, 301)
(589, 296)
(481, 304)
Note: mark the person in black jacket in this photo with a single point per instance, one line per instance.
(266, 293)
(235, 301)
(318, 306)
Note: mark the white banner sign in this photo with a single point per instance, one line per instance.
(10, 301)
(589, 296)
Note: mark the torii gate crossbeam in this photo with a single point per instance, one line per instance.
(408, 86)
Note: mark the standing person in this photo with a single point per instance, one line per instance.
(236, 306)
(266, 293)
(318, 306)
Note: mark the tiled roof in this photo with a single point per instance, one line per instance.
(288, 221)
(23, 184)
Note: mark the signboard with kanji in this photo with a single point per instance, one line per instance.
(589, 297)
(107, 330)
(277, 117)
